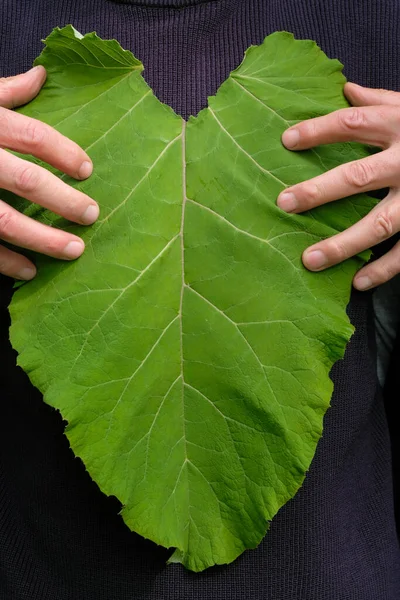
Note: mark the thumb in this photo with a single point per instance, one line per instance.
(358, 95)
(18, 90)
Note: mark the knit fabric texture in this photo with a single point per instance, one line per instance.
(60, 537)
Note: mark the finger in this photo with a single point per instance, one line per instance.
(363, 96)
(379, 271)
(20, 230)
(30, 136)
(376, 126)
(38, 185)
(18, 90)
(381, 223)
(15, 265)
(371, 173)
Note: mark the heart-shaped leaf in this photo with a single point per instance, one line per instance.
(188, 349)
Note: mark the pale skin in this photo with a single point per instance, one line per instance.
(374, 119)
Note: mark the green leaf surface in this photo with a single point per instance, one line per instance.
(188, 348)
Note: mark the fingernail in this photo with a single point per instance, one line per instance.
(287, 201)
(90, 215)
(85, 170)
(362, 283)
(290, 138)
(26, 273)
(73, 249)
(315, 259)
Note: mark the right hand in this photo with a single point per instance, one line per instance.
(30, 136)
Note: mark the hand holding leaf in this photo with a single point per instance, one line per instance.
(374, 121)
(35, 183)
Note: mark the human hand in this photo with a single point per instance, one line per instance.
(29, 136)
(375, 121)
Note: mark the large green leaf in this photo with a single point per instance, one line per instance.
(188, 349)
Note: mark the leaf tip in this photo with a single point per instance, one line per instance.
(176, 557)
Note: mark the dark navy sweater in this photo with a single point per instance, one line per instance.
(60, 537)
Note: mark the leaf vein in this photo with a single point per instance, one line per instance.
(230, 136)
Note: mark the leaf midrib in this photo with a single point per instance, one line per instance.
(183, 285)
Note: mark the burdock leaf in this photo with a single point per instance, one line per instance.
(188, 348)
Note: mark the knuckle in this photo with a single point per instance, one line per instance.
(383, 226)
(337, 251)
(383, 272)
(359, 174)
(311, 194)
(6, 221)
(4, 115)
(308, 130)
(389, 271)
(6, 263)
(351, 118)
(53, 243)
(3, 266)
(26, 179)
(4, 89)
(7, 81)
(390, 93)
(4, 83)
(34, 134)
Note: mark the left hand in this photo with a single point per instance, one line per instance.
(375, 121)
